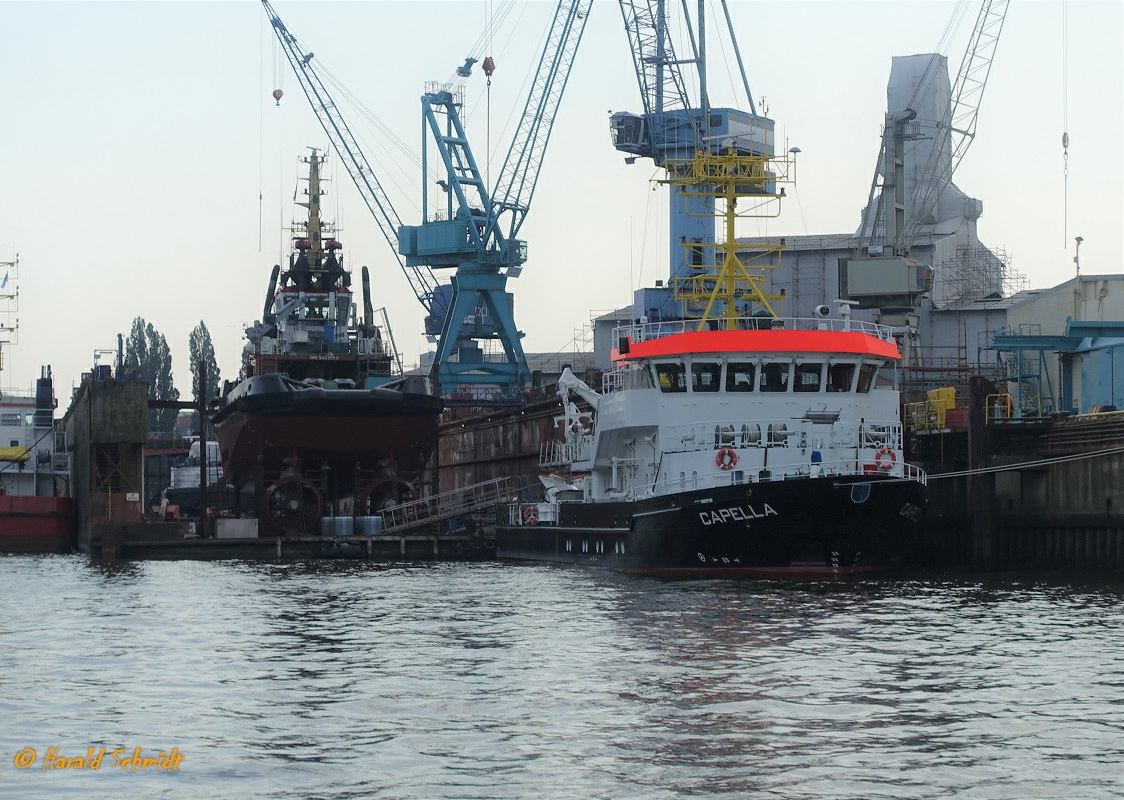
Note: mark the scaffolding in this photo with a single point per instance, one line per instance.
(978, 272)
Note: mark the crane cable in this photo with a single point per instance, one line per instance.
(1028, 464)
(1065, 123)
(489, 21)
(261, 132)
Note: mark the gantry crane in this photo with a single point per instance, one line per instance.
(478, 228)
(674, 130)
(477, 238)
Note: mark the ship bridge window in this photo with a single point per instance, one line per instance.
(672, 377)
(808, 377)
(840, 377)
(705, 377)
(316, 308)
(774, 376)
(740, 376)
(867, 372)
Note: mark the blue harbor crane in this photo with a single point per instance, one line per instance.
(475, 233)
(675, 126)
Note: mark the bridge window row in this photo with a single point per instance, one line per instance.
(765, 375)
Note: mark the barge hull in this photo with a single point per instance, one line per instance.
(36, 525)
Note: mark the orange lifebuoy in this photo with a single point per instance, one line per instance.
(531, 515)
(888, 464)
(726, 458)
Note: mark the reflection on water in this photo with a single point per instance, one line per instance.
(488, 681)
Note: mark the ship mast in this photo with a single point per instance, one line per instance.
(729, 287)
(313, 227)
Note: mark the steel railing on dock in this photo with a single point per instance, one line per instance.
(447, 505)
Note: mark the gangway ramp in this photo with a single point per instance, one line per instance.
(435, 508)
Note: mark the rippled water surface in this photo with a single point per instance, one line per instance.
(487, 681)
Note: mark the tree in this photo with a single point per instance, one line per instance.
(200, 349)
(148, 356)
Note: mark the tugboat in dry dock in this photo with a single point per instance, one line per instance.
(324, 425)
(730, 443)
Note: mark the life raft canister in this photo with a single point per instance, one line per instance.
(888, 463)
(726, 458)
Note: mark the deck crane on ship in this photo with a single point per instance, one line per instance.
(477, 236)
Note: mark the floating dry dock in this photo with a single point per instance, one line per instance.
(107, 428)
(178, 541)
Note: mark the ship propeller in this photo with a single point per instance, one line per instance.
(293, 505)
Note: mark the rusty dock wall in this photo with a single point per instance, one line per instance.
(107, 426)
(503, 444)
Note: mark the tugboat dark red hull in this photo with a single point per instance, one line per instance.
(271, 416)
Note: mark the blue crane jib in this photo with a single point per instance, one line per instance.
(467, 225)
(462, 234)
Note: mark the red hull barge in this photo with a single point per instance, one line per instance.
(36, 525)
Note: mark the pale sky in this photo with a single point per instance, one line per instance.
(135, 139)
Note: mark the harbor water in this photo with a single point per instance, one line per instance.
(354, 680)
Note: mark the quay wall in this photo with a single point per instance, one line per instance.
(1065, 515)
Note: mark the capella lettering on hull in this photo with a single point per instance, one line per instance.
(735, 514)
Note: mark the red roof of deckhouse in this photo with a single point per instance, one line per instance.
(764, 341)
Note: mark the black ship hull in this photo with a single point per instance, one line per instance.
(796, 528)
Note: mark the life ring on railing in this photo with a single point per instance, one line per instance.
(887, 464)
(726, 458)
(531, 515)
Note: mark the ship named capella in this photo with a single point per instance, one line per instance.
(772, 447)
(735, 514)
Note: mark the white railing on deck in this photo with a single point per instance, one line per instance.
(787, 432)
(654, 330)
(612, 381)
(844, 468)
(558, 454)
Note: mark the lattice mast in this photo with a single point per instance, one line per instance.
(732, 288)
